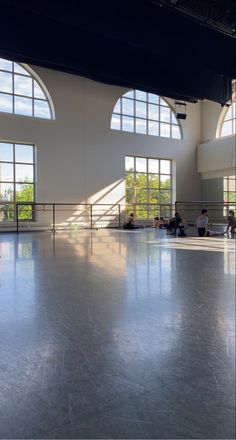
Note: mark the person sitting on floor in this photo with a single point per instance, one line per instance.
(159, 223)
(129, 222)
(176, 223)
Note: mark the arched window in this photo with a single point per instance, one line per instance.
(228, 124)
(227, 121)
(145, 113)
(22, 92)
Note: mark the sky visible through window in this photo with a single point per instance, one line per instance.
(145, 113)
(229, 123)
(20, 93)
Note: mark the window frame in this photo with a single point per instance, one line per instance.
(121, 115)
(226, 182)
(15, 182)
(29, 73)
(159, 205)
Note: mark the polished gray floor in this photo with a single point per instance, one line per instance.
(116, 334)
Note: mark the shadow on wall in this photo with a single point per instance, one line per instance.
(102, 209)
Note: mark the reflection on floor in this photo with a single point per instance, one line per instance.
(116, 334)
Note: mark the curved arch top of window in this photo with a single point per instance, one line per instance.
(227, 120)
(22, 92)
(145, 113)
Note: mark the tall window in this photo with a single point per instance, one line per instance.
(228, 126)
(145, 113)
(17, 180)
(148, 186)
(230, 191)
(20, 93)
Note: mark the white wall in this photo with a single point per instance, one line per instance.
(216, 158)
(79, 158)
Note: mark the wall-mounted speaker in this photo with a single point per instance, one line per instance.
(180, 110)
(181, 115)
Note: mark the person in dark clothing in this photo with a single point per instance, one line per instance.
(129, 222)
(176, 223)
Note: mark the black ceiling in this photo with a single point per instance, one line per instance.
(177, 48)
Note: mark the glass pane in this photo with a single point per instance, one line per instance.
(141, 212)
(5, 82)
(153, 165)
(173, 119)
(165, 114)
(142, 96)
(153, 98)
(232, 185)
(24, 173)
(153, 112)
(234, 109)
(153, 128)
(6, 103)
(141, 181)
(141, 126)
(20, 69)
(25, 212)
(141, 196)
(6, 191)
(165, 196)
(127, 123)
(165, 130)
(165, 182)
(129, 163)
(129, 94)
(130, 195)
(23, 106)
(141, 109)
(227, 128)
(234, 126)
(141, 164)
(6, 212)
(6, 172)
(127, 106)
(6, 152)
(41, 109)
(38, 93)
(115, 122)
(226, 196)
(176, 134)
(117, 107)
(5, 65)
(24, 153)
(225, 184)
(23, 85)
(153, 196)
(165, 166)
(152, 211)
(153, 181)
(229, 114)
(232, 198)
(129, 179)
(24, 192)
